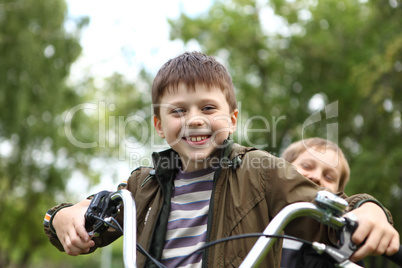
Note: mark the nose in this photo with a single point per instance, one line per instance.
(314, 176)
(195, 122)
(195, 119)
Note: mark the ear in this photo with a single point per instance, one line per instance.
(158, 127)
(233, 121)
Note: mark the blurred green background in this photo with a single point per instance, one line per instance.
(337, 63)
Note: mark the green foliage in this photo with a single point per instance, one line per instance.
(36, 54)
(44, 121)
(345, 54)
(120, 117)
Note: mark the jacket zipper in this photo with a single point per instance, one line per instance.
(210, 217)
(148, 263)
(218, 172)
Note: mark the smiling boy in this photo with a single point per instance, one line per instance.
(195, 122)
(206, 187)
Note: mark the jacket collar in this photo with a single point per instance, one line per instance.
(169, 160)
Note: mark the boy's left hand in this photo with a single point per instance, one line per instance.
(378, 235)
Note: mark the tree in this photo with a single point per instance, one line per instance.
(52, 126)
(330, 69)
(36, 55)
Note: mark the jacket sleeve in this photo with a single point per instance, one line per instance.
(357, 200)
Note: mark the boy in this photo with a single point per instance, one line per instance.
(323, 162)
(206, 187)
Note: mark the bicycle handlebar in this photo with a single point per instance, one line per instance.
(279, 222)
(327, 212)
(396, 258)
(130, 221)
(103, 208)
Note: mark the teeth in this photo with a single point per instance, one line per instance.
(198, 138)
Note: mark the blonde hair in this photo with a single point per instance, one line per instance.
(295, 149)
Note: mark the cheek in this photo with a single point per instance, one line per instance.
(174, 125)
(173, 130)
(221, 126)
(220, 134)
(299, 169)
(333, 187)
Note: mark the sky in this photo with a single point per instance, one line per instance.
(122, 36)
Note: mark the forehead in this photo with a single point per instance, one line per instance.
(199, 91)
(326, 157)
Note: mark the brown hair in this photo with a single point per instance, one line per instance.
(295, 149)
(192, 68)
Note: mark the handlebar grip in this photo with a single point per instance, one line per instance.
(396, 258)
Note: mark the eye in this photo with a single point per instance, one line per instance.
(332, 176)
(178, 111)
(208, 108)
(306, 166)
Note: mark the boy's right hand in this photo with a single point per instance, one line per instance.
(69, 224)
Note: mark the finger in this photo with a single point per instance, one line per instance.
(361, 233)
(394, 245)
(368, 248)
(82, 232)
(70, 248)
(384, 240)
(383, 245)
(76, 245)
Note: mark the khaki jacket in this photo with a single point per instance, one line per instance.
(250, 188)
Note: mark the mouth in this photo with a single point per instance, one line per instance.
(201, 138)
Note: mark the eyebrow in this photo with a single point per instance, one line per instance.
(184, 102)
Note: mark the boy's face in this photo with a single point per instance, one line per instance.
(195, 123)
(323, 168)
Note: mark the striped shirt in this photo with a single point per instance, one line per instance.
(187, 225)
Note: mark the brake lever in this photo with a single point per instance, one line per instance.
(345, 247)
(340, 258)
(101, 206)
(345, 237)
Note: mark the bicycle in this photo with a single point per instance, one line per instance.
(329, 210)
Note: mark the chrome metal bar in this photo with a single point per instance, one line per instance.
(278, 223)
(349, 264)
(130, 228)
